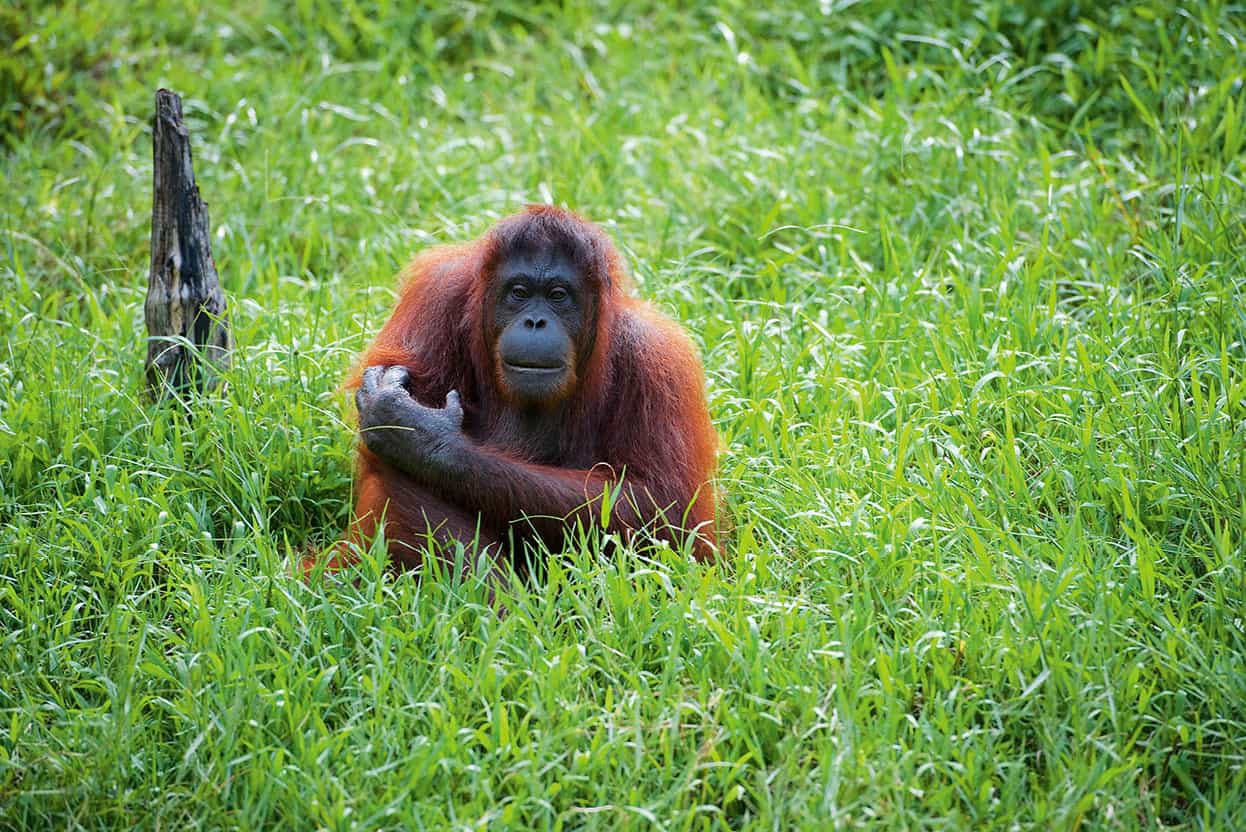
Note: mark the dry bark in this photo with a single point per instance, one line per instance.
(188, 333)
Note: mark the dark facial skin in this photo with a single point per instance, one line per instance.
(540, 308)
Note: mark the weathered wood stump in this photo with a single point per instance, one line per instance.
(188, 333)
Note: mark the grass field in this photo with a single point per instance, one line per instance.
(968, 283)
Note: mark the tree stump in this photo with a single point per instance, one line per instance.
(188, 334)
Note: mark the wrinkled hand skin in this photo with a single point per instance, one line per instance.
(426, 442)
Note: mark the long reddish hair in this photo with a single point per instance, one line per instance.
(639, 402)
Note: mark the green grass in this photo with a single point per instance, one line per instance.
(968, 282)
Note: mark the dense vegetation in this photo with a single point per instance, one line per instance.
(967, 279)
